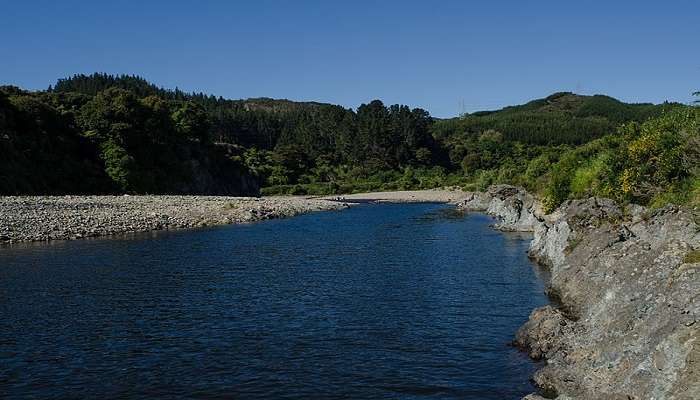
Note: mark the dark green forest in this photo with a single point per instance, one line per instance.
(121, 134)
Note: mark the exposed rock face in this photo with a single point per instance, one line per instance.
(627, 325)
(515, 208)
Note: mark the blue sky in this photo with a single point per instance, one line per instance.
(436, 55)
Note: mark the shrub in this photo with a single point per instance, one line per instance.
(692, 257)
(657, 154)
(120, 166)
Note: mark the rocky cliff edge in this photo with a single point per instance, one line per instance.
(625, 284)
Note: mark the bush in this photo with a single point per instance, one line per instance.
(586, 180)
(658, 155)
(120, 166)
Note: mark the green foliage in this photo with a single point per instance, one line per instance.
(583, 171)
(55, 143)
(654, 163)
(190, 120)
(102, 133)
(619, 112)
(586, 179)
(692, 257)
(562, 118)
(660, 153)
(119, 165)
(375, 137)
(98, 82)
(41, 151)
(538, 168)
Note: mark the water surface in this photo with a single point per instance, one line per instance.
(379, 301)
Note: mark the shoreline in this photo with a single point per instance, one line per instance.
(450, 196)
(46, 218)
(624, 314)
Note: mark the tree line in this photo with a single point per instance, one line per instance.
(101, 133)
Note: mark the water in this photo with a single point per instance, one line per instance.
(379, 301)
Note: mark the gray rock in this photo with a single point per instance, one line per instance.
(533, 397)
(626, 321)
(514, 208)
(475, 201)
(628, 305)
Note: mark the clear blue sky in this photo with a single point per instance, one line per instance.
(429, 54)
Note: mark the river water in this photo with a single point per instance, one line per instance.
(378, 301)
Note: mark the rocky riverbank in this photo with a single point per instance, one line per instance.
(37, 218)
(453, 196)
(626, 282)
(41, 218)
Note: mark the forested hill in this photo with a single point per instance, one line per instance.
(557, 119)
(112, 134)
(250, 122)
(113, 142)
(562, 118)
(95, 83)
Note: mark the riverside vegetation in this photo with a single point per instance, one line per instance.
(103, 134)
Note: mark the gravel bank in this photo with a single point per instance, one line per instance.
(41, 218)
(409, 196)
(36, 218)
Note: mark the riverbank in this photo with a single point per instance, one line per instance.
(407, 196)
(39, 218)
(626, 280)
(42, 218)
(627, 285)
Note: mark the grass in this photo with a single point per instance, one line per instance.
(573, 243)
(692, 257)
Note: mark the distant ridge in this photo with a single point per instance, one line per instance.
(97, 82)
(562, 117)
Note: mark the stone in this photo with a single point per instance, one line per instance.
(626, 303)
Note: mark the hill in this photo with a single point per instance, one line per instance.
(101, 133)
(562, 118)
(112, 142)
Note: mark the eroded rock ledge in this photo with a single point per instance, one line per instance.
(627, 282)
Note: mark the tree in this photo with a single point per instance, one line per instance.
(191, 121)
(114, 114)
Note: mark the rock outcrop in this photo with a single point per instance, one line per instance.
(626, 289)
(515, 208)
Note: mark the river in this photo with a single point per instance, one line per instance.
(378, 301)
